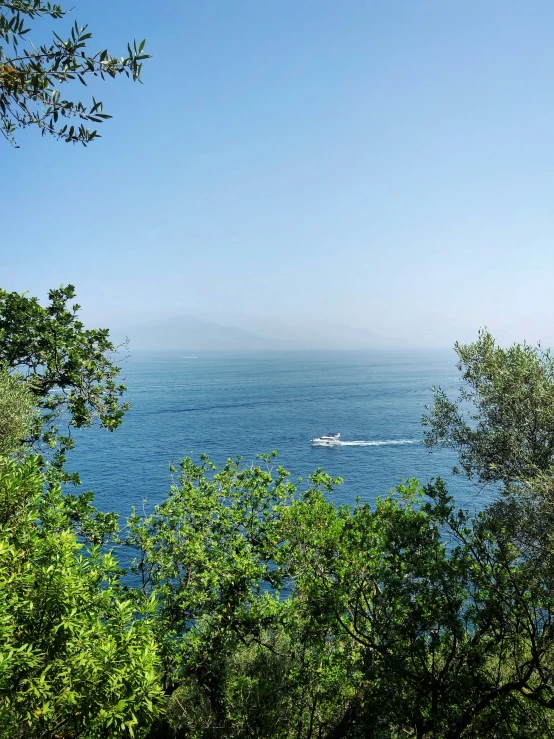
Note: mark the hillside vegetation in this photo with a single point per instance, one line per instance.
(260, 609)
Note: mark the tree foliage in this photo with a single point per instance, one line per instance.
(74, 659)
(502, 422)
(254, 607)
(18, 414)
(69, 369)
(407, 619)
(448, 621)
(31, 75)
(205, 554)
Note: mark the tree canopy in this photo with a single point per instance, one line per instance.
(255, 607)
(74, 659)
(69, 369)
(31, 74)
(502, 422)
(409, 618)
(18, 414)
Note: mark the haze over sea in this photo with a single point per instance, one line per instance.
(225, 406)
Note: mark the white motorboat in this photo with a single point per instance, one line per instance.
(327, 440)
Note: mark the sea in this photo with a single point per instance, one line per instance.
(227, 406)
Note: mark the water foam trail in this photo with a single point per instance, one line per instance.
(390, 442)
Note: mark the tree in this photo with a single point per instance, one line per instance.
(75, 661)
(236, 660)
(30, 75)
(407, 619)
(205, 555)
(449, 620)
(76, 658)
(502, 423)
(259, 610)
(69, 369)
(17, 412)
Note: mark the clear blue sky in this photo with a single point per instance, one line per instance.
(386, 165)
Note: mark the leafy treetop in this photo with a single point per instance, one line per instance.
(31, 75)
(75, 661)
(69, 368)
(502, 422)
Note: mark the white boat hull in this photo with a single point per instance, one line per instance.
(327, 440)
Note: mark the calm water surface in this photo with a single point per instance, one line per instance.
(226, 406)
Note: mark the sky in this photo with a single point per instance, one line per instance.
(301, 166)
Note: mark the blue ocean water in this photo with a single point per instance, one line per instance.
(226, 406)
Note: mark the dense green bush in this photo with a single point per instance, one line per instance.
(406, 619)
(74, 659)
(17, 412)
(256, 609)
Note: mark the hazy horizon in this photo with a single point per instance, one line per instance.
(305, 170)
(189, 332)
(185, 332)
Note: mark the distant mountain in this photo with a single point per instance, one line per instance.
(306, 333)
(190, 334)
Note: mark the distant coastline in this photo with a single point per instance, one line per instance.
(187, 333)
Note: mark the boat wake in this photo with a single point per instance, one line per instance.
(388, 442)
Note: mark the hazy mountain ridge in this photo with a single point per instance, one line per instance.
(188, 333)
(191, 334)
